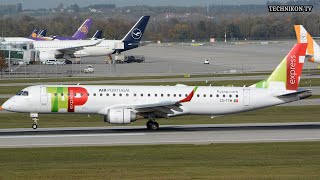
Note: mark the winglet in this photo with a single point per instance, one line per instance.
(189, 97)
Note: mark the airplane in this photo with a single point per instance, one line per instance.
(123, 104)
(91, 48)
(97, 35)
(313, 50)
(40, 35)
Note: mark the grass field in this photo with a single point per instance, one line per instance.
(268, 115)
(296, 160)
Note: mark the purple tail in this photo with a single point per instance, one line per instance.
(83, 30)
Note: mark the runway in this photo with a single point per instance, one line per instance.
(182, 134)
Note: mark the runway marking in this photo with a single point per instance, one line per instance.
(70, 135)
(163, 142)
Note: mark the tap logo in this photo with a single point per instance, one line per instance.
(84, 29)
(136, 33)
(67, 98)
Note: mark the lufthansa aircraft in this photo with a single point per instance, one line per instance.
(91, 48)
(126, 103)
(313, 50)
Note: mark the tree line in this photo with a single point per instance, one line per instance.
(182, 29)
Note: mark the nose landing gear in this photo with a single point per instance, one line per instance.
(35, 119)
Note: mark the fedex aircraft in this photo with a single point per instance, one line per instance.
(313, 50)
(81, 33)
(126, 103)
(91, 48)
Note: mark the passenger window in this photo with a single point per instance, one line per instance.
(141, 95)
(224, 95)
(114, 94)
(155, 95)
(198, 95)
(230, 95)
(237, 95)
(161, 95)
(94, 94)
(134, 94)
(179, 95)
(120, 94)
(148, 95)
(55, 94)
(127, 94)
(174, 95)
(88, 94)
(204, 95)
(100, 94)
(217, 95)
(107, 94)
(168, 95)
(61, 94)
(210, 95)
(186, 95)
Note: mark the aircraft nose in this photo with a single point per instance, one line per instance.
(6, 105)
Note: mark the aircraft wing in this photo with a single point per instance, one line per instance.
(164, 108)
(73, 49)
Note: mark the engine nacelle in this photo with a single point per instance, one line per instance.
(120, 116)
(47, 55)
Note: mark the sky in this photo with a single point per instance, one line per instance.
(36, 4)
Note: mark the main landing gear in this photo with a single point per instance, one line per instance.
(35, 119)
(152, 124)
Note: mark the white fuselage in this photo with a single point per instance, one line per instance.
(207, 100)
(106, 47)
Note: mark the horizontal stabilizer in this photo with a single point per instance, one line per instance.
(305, 93)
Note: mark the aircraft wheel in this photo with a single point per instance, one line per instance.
(34, 126)
(152, 125)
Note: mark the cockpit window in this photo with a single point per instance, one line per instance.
(23, 93)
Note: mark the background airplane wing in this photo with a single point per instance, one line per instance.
(73, 49)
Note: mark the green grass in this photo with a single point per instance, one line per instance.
(2, 100)
(267, 115)
(296, 160)
(304, 82)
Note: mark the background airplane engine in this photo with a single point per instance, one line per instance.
(43, 56)
(120, 116)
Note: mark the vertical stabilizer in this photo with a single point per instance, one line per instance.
(304, 37)
(287, 74)
(83, 30)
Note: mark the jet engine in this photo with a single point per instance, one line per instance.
(120, 116)
(46, 55)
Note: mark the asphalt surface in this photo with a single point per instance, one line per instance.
(169, 59)
(182, 134)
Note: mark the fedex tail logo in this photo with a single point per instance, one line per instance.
(66, 99)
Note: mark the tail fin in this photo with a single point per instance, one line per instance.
(83, 30)
(97, 35)
(34, 33)
(287, 74)
(42, 33)
(304, 37)
(135, 34)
